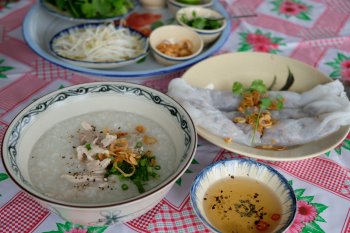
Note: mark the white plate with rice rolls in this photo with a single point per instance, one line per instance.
(280, 109)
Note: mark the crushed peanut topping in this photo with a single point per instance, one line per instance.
(181, 49)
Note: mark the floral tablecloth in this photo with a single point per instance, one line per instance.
(316, 32)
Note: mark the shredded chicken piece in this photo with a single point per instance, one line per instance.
(86, 126)
(109, 139)
(82, 150)
(97, 165)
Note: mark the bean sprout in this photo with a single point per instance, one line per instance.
(103, 43)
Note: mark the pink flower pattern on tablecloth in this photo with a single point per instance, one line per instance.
(341, 67)
(344, 145)
(4, 69)
(292, 8)
(69, 227)
(260, 42)
(296, 227)
(308, 214)
(77, 230)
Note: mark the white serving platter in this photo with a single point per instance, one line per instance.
(40, 26)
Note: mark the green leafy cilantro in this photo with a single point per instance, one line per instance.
(265, 102)
(259, 86)
(238, 88)
(202, 23)
(94, 9)
(144, 170)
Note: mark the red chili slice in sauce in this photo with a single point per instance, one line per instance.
(262, 225)
(275, 217)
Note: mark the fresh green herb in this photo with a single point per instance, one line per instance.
(157, 24)
(94, 9)
(257, 99)
(191, 2)
(144, 170)
(125, 187)
(138, 144)
(238, 88)
(265, 103)
(201, 22)
(258, 85)
(279, 102)
(157, 167)
(88, 146)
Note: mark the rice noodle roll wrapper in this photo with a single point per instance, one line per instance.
(306, 117)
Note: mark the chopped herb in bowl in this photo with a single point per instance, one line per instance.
(93, 9)
(192, 2)
(202, 23)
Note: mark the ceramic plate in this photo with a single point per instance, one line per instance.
(220, 72)
(40, 26)
(100, 65)
(67, 16)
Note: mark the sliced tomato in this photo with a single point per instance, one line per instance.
(139, 20)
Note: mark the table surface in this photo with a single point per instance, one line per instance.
(316, 32)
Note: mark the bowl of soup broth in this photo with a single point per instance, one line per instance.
(99, 153)
(242, 195)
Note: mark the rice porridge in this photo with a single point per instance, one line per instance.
(59, 169)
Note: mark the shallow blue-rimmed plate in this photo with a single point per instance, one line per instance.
(100, 65)
(65, 15)
(241, 167)
(39, 27)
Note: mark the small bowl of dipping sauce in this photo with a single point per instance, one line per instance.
(242, 195)
(173, 44)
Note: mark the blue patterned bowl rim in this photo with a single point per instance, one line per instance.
(25, 117)
(210, 167)
(144, 39)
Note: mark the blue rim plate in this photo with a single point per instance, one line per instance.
(66, 15)
(247, 168)
(100, 65)
(38, 24)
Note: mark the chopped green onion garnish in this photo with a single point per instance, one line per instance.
(125, 186)
(88, 146)
(138, 145)
(157, 167)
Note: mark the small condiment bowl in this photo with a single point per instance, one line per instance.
(207, 35)
(244, 168)
(174, 34)
(175, 5)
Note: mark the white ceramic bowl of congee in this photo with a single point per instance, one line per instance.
(99, 153)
